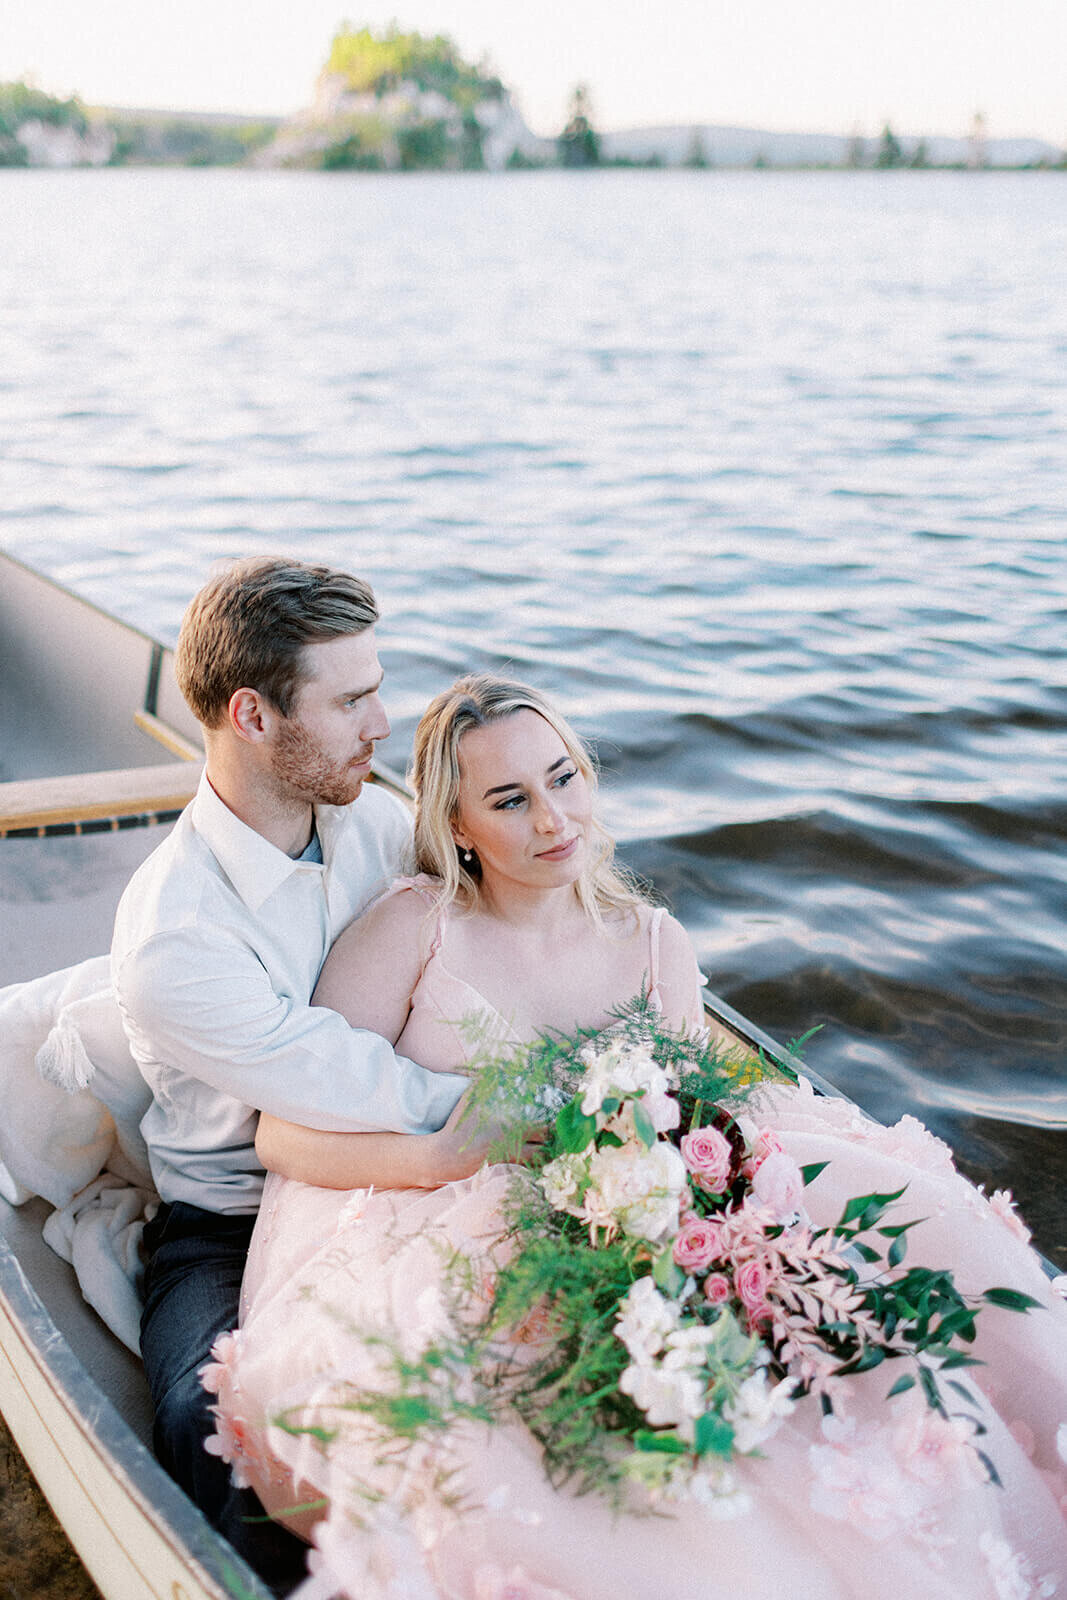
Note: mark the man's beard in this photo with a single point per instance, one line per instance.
(305, 770)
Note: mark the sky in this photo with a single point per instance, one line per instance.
(836, 66)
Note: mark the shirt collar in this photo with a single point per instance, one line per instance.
(254, 866)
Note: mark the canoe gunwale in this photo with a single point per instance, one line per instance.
(196, 1547)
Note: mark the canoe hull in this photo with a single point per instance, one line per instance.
(136, 1533)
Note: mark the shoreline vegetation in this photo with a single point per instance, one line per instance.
(396, 101)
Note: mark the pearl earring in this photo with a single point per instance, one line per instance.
(467, 857)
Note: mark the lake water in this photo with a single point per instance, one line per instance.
(763, 475)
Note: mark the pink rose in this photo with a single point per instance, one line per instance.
(751, 1280)
(697, 1245)
(717, 1288)
(709, 1156)
(778, 1185)
(766, 1143)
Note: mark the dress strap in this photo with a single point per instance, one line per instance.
(655, 922)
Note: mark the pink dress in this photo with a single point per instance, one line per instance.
(880, 1504)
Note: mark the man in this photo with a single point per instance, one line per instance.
(218, 942)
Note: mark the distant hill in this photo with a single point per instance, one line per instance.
(711, 145)
(404, 101)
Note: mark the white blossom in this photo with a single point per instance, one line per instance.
(620, 1070)
(758, 1410)
(637, 1189)
(646, 1318)
(670, 1396)
(562, 1178)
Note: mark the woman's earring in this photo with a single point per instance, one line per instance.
(467, 857)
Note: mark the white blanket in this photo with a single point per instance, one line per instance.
(73, 1099)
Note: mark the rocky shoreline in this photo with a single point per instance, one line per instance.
(37, 1561)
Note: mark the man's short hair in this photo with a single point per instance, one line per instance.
(248, 626)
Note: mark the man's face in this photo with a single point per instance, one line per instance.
(322, 751)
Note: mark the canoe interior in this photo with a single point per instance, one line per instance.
(72, 680)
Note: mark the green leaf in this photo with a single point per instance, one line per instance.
(872, 1356)
(643, 1126)
(868, 1207)
(574, 1130)
(812, 1170)
(1012, 1300)
(667, 1274)
(713, 1436)
(667, 1444)
(901, 1385)
(795, 1046)
(298, 1430)
(930, 1389)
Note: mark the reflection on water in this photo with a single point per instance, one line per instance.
(761, 474)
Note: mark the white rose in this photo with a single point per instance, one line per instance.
(640, 1188)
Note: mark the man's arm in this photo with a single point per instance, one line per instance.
(204, 1004)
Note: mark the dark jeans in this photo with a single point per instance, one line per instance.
(195, 1261)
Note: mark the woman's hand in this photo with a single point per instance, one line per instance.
(461, 1147)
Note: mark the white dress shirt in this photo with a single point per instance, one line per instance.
(219, 939)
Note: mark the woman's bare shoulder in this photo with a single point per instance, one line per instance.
(391, 938)
(673, 939)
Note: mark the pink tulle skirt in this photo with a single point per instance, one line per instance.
(883, 1501)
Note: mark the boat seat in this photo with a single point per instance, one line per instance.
(94, 802)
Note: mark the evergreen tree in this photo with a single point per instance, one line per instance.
(697, 156)
(578, 144)
(889, 152)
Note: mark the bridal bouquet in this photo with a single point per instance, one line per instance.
(663, 1302)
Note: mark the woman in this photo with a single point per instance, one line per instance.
(517, 922)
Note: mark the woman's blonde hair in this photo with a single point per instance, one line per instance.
(476, 702)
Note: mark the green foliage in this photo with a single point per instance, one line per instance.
(354, 153)
(186, 141)
(375, 63)
(424, 144)
(20, 102)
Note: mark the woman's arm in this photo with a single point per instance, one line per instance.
(370, 973)
(387, 1160)
(369, 977)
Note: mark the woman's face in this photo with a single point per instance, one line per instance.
(524, 805)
